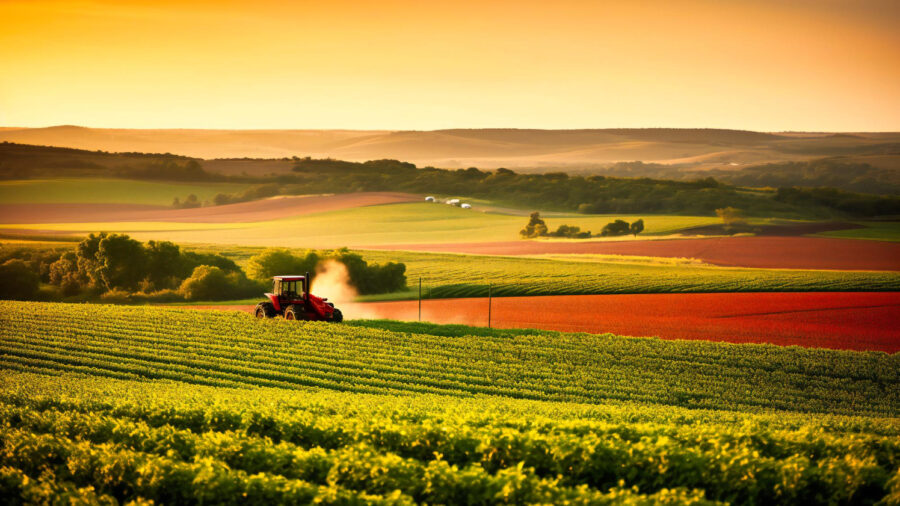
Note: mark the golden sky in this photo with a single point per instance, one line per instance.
(824, 65)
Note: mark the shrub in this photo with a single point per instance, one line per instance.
(117, 296)
(18, 281)
(209, 282)
(570, 232)
(158, 296)
(731, 216)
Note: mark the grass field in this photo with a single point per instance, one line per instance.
(874, 230)
(373, 225)
(106, 191)
(183, 407)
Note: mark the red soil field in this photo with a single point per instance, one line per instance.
(853, 321)
(258, 210)
(761, 252)
(837, 320)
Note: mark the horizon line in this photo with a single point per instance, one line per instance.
(69, 125)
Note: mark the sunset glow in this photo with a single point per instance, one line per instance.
(764, 65)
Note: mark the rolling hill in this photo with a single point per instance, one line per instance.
(485, 148)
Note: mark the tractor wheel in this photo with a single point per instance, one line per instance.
(337, 316)
(265, 310)
(292, 312)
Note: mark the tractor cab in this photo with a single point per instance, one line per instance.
(290, 288)
(291, 299)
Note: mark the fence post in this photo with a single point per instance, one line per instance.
(420, 299)
(490, 293)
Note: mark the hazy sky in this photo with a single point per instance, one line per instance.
(828, 65)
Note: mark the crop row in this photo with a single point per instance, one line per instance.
(235, 349)
(109, 433)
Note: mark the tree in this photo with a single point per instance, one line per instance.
(64, 273)
(535, 228)
(87, 253)
(188, 203)
(637, 227)
(122, 262)
(618, 227)
(222, 199)
(733, 219)
(18, 281)
(165, 264)
(275, 262)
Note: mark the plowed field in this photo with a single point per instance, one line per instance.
(759, 252)
(837, 320)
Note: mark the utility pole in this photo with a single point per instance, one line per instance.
(490, 293)
(420, 299)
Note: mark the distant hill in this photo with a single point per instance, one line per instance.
(633, 191)
(523, 149)
(22, 161)
(878, 174)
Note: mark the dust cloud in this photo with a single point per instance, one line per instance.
(333, 281)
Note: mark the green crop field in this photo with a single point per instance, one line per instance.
(106, 191)
(104, 403)
(450, 275)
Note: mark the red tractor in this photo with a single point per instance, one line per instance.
(291, 299)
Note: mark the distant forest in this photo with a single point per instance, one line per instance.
(833, 172)
(795, 188)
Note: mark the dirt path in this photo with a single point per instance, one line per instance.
(838, 320)
(761, 252)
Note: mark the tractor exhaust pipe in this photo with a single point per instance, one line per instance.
(306, 292)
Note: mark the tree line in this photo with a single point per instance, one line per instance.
(117, 268)
(560, 191)
(592, 194)
(536, 227)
